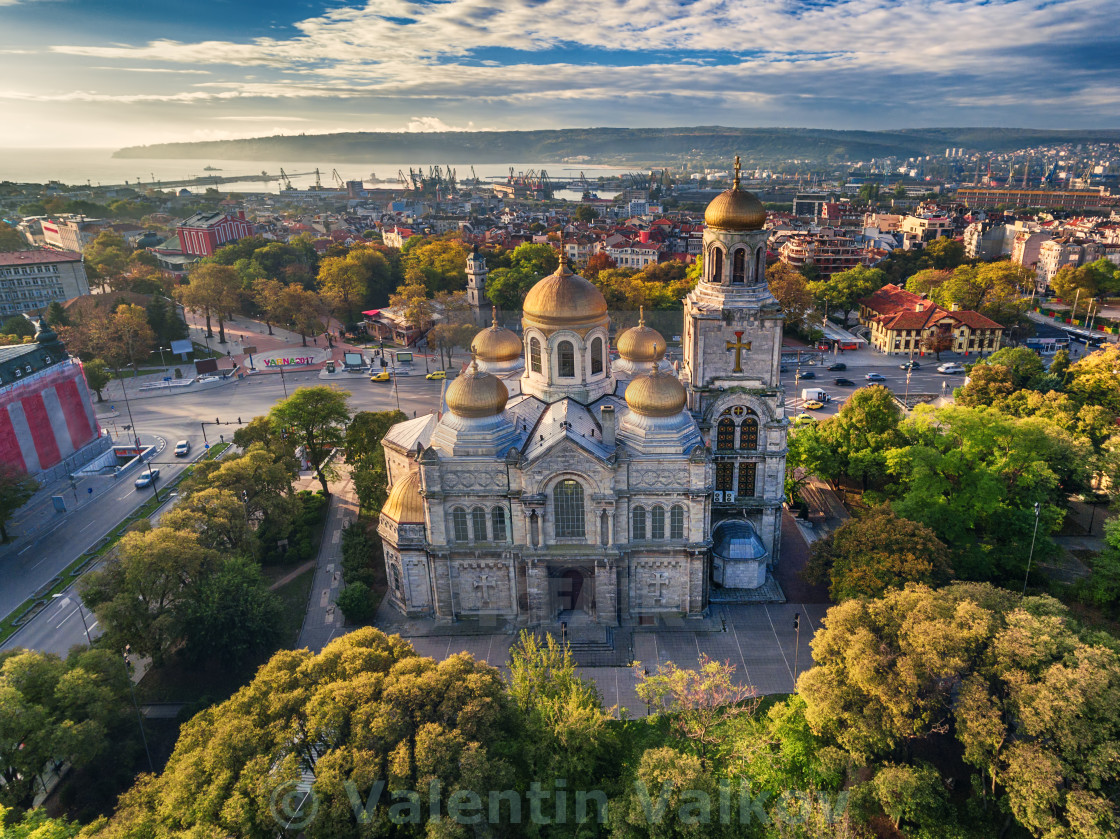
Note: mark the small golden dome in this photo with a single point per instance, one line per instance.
(641, 343)
(476, 393)
(735, 208)
(496, 343)
(405, 504)
(656, 394)
(564, 298)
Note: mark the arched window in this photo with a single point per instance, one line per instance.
(739, 266)
(676, 522)
(535, 355)
(639, 523)
(568, 505)
(498, 524)
(748, 432)
(459, 521)
(604, 528)
(565, 360)
(657, 523)
(596, 356)
(725, 434)
(478, 524)
(534, 530)
(759, 265)
(717, 265)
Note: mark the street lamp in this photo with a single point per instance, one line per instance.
(152, 481)
(162, 360)
(1030, 556)
(85, 626)
(136, 705)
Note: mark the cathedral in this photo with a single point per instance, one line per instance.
(561, 484)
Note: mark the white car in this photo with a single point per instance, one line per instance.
(146, 478)
(182, 448)
(950, 367)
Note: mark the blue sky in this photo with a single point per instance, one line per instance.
(120, 72)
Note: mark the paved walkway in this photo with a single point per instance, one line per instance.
(323, 621)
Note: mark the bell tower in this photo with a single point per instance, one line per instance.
(732, 349)
(476, 284)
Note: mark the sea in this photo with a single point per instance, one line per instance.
(98, 167)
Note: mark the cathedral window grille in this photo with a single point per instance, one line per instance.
(725, 434)
(639, 523)
(459, 523)
(657, 523)
(724, 470)
(565, 360)
(535, 355)
(717, 265)
(747, 473)
(397, 587)
(676, 522)
(478, 524)
(748, 433)
(596, 356)
(739, 266)
(568, 504)
(498, 524)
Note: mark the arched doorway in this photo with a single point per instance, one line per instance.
(569, 590)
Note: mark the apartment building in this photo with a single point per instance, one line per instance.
(32, 280)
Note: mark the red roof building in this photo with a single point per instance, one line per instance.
(904, 323)
(204, 233)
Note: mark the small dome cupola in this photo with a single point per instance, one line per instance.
(496, 343)
(656, 394)
(641, 343)
(735, 209)
(405, 505)
(476, 394)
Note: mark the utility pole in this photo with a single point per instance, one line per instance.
(1030, 556)
(797, 645)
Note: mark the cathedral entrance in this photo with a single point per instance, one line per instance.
(572, 591)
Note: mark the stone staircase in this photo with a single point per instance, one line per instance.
(592, 645)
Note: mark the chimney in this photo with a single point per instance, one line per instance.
(643, 237)
(607, 418)
(918, 307)
(956, 307)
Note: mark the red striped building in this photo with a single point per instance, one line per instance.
(204, 233)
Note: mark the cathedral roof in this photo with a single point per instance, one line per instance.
(475, 393)
(735, 209)
(564, 299)
(405, 505)
(496, 343)
(567, 419)
(641, 343)
(410, 432)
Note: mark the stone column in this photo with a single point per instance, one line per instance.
(606, 592)
(536, 577)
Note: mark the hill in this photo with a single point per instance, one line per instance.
(622, 145)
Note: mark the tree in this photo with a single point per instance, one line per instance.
(56, 316)
(97, 376)
(230, 617)
(18, 325)
(135, 594)
(937, 342)
(908, 793)
(129, 338)
(877, 551)
(446, 337)
(35, 824)
(994, 289)
(1092, 379)
(317, 417)
(413, 301)
(1086, 281)
(165, 321)
(854, 443)
(356, 602)
(214, 290)
(595, 263)
(218, 518)
(945, 253)
(260, 479)
(789, 287)
(303, 310)
(268, 295)
(106, 258)
(10, 239)
(439, 263)
(843, 291)
(16, 489)
(928, 279)
(343, 284)
(585, 213)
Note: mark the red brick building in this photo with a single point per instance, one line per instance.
(204, 233)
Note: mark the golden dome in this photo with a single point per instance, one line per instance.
(496, 343)
(476, 393)
(405, 504)
(656, 394)
(735, 208)
(564, 299)
(641, 343)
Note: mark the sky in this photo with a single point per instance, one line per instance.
(111, 73)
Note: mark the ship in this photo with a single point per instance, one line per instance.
(211, 169)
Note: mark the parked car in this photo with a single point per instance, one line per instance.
(839, 365)
(844, 382)
(383, 376)
(146, 478)
(950, 367)
(875, 377)
(807, 374)
(813, 405)
(437, 375)
(910, 365)
(801, 419)
(182, 448)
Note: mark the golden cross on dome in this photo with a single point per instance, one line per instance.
(736, 171)
(738, 345)
(494, 309)
(641, 316)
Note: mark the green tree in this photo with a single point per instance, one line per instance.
(214, 290)
(356, 602)
(10, 239)
(317, 417)
(792, 292)
(413, 301)
(56, 315)
(165, 321)
(303, 310)
(97, 376)
(129, 339)
(218, 519)
(268, 295)
(842, 291)
(913, 794)
(18, 325)
(106, 258)
(344, 285)
(877, 551)
(35, 824)
(945, 252)
(16, 489)
(585, 213)
(994, 289)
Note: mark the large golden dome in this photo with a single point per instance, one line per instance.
(405, 504)
(496, 343)
(735, 209)
(656, 394)
(476, 393)
(641, 343)
(564, 298)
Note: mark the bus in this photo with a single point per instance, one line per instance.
(1044, 346)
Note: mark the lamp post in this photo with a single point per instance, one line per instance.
(81, 613)
(283, 381)
(136, 705)
(1030, 556)
(152, 481)
(796, 645)
(128, 407)
(162, 360)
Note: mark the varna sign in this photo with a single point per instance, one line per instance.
(286, 362)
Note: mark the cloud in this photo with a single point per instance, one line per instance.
(181, 70)
(418, 125)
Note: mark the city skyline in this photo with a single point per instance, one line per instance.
(113, 74)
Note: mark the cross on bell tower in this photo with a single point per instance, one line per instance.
(738, 345)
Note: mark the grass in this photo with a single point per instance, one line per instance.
(294, 596)
(64, 577)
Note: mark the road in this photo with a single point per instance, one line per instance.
(924, 380)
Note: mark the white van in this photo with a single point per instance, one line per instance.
(950, 367)
(815, 394)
